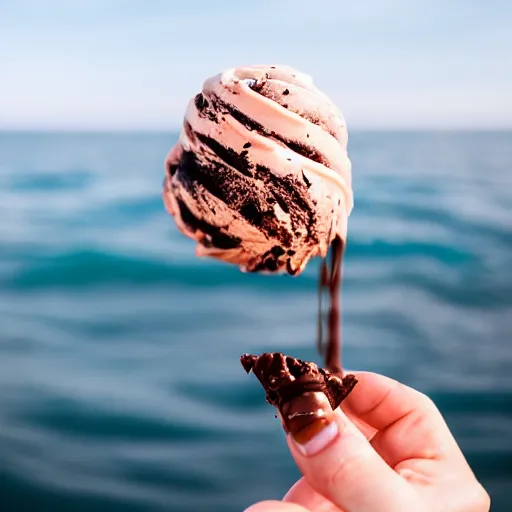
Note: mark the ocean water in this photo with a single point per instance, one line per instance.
(120, 382)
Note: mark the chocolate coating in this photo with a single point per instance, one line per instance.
(303, 392)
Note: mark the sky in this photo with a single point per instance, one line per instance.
(134, 64)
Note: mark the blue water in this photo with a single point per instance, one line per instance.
(120, 386)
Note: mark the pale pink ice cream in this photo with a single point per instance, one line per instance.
(260, 175)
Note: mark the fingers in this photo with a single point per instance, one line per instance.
(368, 431)
(275, 506)
(340, 464)
(409, 425)
(414, 436)
(380, 401)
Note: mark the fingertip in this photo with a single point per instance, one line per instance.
(373, 395)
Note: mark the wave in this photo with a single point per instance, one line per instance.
(81, 269)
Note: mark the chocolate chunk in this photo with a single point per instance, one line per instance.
(303, 392)
(306, 181)
(271, 264)
(254, 84)
(171, 169)
(201, 102)
(277, 251)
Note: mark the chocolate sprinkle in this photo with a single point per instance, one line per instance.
(200, 102)
(306, 181)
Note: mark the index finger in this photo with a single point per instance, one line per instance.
(381, 401)
(409, 424)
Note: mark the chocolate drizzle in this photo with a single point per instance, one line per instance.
(330, 279)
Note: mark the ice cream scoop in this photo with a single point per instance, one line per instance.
(260, 175)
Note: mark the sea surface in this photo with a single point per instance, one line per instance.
(120, 383)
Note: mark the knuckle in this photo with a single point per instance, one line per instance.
(426, 406)
(349, 468)
(482, 499)
(427, 403)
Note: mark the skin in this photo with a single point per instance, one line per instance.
(393, 453)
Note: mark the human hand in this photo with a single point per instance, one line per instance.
(389, 451)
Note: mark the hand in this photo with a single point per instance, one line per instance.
(389, 451)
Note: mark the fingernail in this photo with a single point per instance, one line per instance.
(315, 437)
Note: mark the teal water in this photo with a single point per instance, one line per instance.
(120, 386)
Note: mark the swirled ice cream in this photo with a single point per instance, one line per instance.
(260, 175)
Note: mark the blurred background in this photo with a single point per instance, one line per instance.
(120, 383)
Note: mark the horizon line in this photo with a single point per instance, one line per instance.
(174, 130)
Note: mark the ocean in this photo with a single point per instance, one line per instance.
(120, 382)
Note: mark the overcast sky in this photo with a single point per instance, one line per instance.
(133, 64)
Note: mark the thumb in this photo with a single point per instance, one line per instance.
(339, 463)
